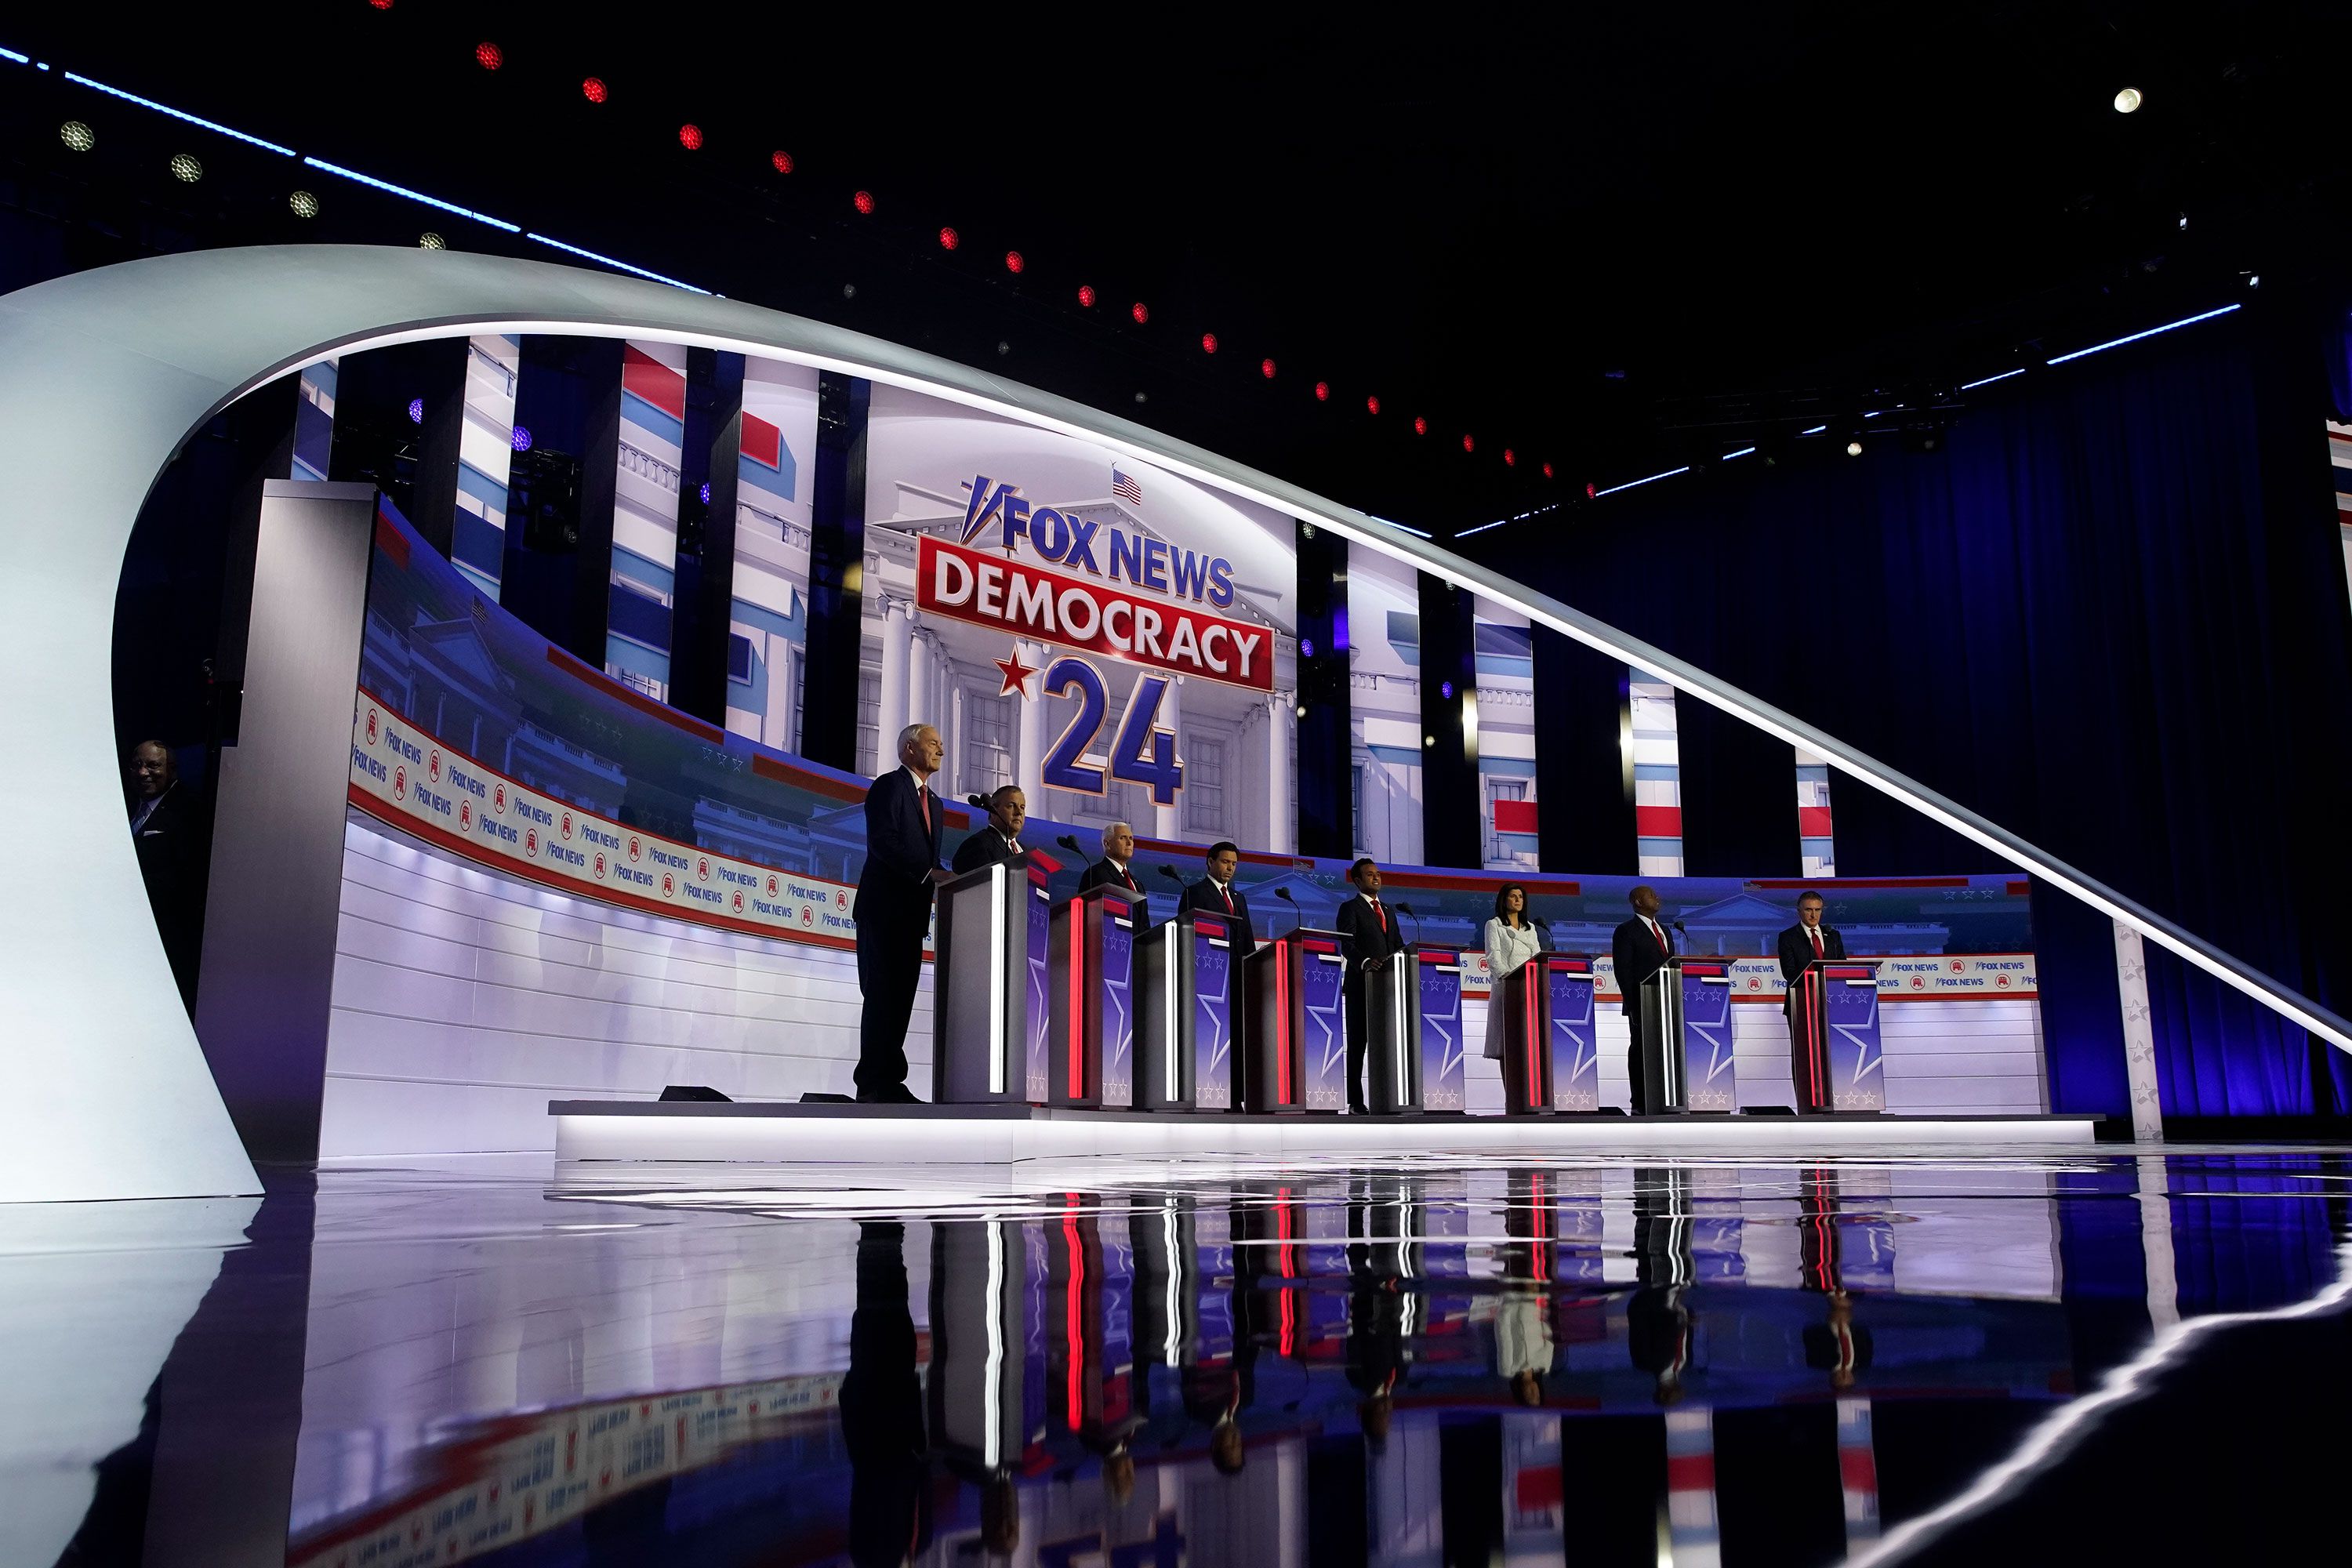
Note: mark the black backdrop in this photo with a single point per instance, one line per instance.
(2110, 614)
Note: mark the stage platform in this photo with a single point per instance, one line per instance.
(836, 1133)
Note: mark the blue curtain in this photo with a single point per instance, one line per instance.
(2110, 614)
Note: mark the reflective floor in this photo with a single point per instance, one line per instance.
(1925, 1359)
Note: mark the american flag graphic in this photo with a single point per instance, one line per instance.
(1125, 488)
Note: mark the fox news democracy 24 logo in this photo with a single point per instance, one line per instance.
(413, 780)
(1091, 612)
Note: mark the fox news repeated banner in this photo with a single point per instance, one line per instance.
(412, 780)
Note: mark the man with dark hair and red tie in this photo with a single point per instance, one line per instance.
(1640, 947)
(893, 911)
(1115, 871)
(1215, 895)
(1373, 942)
(1801, 943)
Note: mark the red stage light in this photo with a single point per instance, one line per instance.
(1372, 405)
(1510, 458)
(595, 91)
(1208, 342)
(1140, 314)
(490, 56)
(1592, 492)
(690, 137)
(1547, 470)
(781, 162)
(949, 239)
(1013, 262)
(1086, 296)
(863, 201)
(1468, 445)
(1419, 425)
(381, 5)
(1322, 391)
(1265, 368)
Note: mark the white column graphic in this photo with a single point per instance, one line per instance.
(890, 717)
(1167, 821)
(1029, 731)
(1280, 831)
(1657, 775)
(1816, 842)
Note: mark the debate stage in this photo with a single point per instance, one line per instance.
(836, 1133)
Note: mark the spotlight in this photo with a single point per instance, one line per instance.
(1372, 405)
(864, 201)
(1322, 391)
(1510, 458)
(1265, 368)
(705, 492)
(1419, 425)
(1547, 470)
(417, 411)
(1467, 444)
(1306, 647)
(1427, 742)
(1140, 398)
(1445, 689)
(690, 137)
(521, 438)
(595, 91)
(489, 56)
(1086, 296)
(849, 291)
(950, 239)
(1208, 342)
(381, 5)
(1300, 711)
(304, 204)
(2254, 279)
(1004, 347)
(78, 136)
(2128, 100)
(781, 162)
(429, 240)
(185, 169)
(1013, 262)
(1140, 314)
(2184, 221)
(1854, 448)
(1592, 491)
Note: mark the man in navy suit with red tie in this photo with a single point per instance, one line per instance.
(1373, 942)
(1214, 895)
(1641, 948)
(1115, 871)
(1801, 943)
(893, 911)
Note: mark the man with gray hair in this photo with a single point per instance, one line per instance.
(1113, 870)
(893, 911)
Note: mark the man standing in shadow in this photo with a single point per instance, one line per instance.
(1640, 947)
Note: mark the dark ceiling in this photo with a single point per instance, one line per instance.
(1609, 239)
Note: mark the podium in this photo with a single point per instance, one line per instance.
(1186, 980)
(1297, 1057)
(1552, 1050)
(1526, 1001)
(1092, 1034)
(991, 1005)
(1686, 1037)
(1401, 1034)
(1835, 1054)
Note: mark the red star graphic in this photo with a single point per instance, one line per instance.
(1016, 675)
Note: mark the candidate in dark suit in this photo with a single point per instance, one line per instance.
(1801, 943)
(1116, 870)
(1216, 895)
(1641, 948)
(1373, 940)
(999, 839)
(167, 831)
(893, 910)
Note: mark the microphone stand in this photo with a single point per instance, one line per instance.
(1405, 908)
(1297, 919)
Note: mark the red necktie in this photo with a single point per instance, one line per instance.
(1818, 951)
(923, 804)
(1660, 932)
(1128, 879)
(1226, 895)
(1383, 915)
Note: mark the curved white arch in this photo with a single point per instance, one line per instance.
(104, 374)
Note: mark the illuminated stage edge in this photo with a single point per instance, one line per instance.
(1002, 1135)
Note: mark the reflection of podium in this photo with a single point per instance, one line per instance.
(1398, 1026)
(1186, 982)
(1834, 1037)
(979, 1288)
(1296, 1057)
(1093, 1030)
(990, 1013)
(1686, 1037)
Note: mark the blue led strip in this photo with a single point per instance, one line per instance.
(608, 262)
(1629, 484)
(178, 114)
(1988, 381)
(2119, 342)
(13, 55)
(1741, 453)
(386, 185)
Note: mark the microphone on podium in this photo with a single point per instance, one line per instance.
(1170, 872)
(1405, 908)
(1284, 894)
(977, 802)
(1070, 843)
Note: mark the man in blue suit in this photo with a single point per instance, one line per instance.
(893, 911)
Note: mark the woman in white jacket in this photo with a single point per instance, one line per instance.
(1511, 940)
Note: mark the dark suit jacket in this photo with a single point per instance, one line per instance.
(900, 855)
(1366, 940)
(169, 846)
(1103, 874)
(1796, 951)
(1637, 957)
(1203, 897)
(985, 848)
